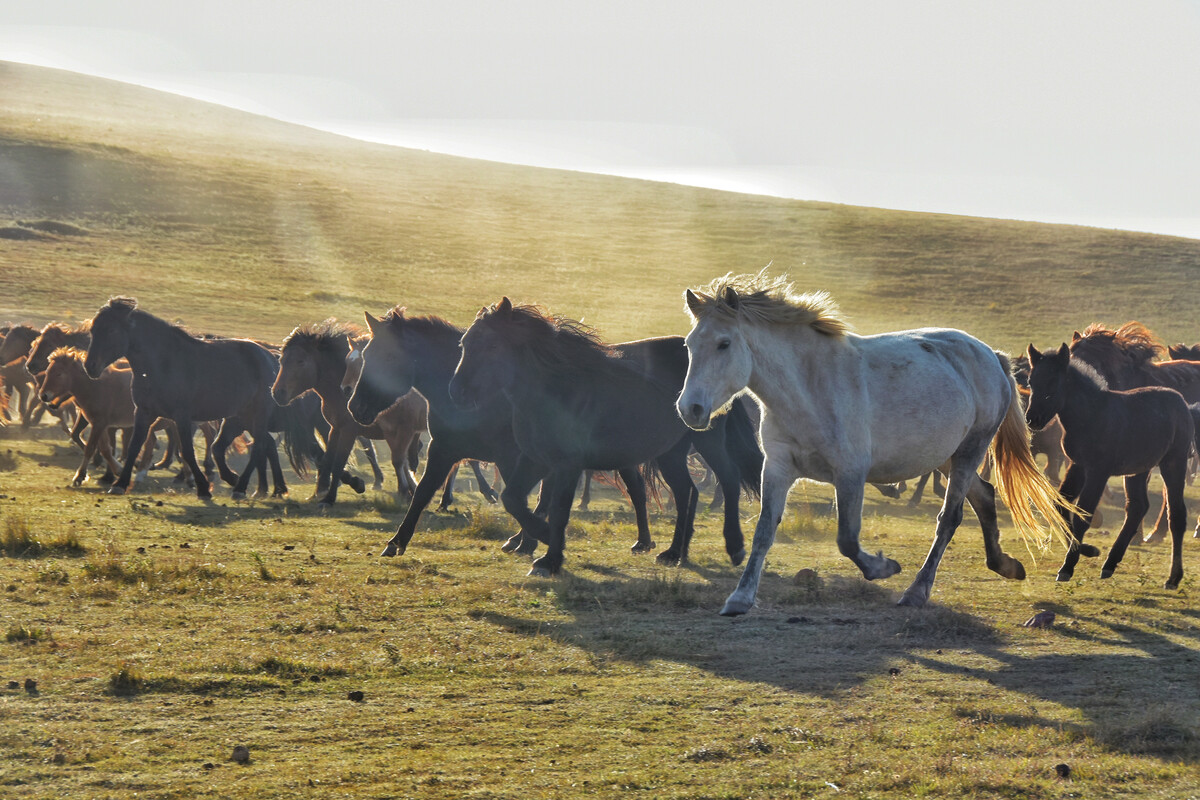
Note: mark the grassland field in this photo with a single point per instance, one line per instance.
(157, 631)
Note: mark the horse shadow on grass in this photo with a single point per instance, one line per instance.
(1139, 696)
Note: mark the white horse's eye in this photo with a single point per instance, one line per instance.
(723, 344)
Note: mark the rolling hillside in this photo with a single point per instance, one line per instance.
(240, 224)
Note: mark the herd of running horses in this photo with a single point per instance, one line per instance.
(769, 386)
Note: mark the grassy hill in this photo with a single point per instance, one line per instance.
(241, 224)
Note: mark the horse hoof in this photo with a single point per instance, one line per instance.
(639, 547)
(358, 485)
(377, 487)
(668, 558)
(324, 505)
(238, 495)
(738, 557)
(735, 608)
(114, 489)
(391, 550)
(1063, 577)
(511, 545)
(1089, 550)
(1171, 585)
(1106, 573)
(913, 599)
(540, 572)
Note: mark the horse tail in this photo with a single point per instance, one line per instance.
(1024, 488)
(299, 441)
(741, 442)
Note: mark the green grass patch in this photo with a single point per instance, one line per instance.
(18, 539)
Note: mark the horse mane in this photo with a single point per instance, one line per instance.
(1089, 373)
(761, 298)
(323, 336)
(555, 342)
(397, 318)
(1133, 339)
(67, 353)
(1184, 352)
(67, 329)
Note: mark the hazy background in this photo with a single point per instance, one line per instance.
(1081, 112)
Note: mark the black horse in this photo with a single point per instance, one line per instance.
(1107, 433)
(578, 403)
(188, 380)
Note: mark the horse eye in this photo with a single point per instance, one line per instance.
(723, 344)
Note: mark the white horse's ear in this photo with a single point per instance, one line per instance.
(1034, 355)
(730, 297)
(693, 301)
(1076, 336)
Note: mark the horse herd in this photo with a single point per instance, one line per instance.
(768, 387)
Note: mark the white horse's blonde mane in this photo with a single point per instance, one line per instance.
(761, 298)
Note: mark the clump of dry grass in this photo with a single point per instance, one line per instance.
(1156, 731)
(18, 540)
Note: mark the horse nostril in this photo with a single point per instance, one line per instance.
(697, 411)
(348, 391)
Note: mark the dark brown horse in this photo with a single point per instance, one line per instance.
(578, 403)
(314, 357)
(1128, 358)
(186, 379)
(1108, 433)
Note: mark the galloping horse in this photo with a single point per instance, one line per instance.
(847, 409)
(578, 403)
(1109, 433)
(187, 380)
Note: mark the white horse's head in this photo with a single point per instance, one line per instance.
(719, 359)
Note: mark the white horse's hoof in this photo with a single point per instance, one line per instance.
(735, 607)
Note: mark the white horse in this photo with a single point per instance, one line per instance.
(848, 409)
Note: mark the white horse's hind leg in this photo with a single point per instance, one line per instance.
(775, 487)
(849, 499)
(962, 475)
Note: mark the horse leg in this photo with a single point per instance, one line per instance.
(448, 490)
(112, 467)
(89, 450)
(673, 467)
(982, 497)
(915, 500)
(141, 427)
(406, 482)
(729, 484)
(562, 493)
(485, 488)
(1088, 499)
(1160, 522)
(635, 485)
(585, 499)
(962, 478)
(1178, 519)
(279, 485)
(337, 452)
(848, 495)
(229, 431)
(1137, 503)
(187, 453)
(368, 447)
(778, 477)
(77, 431)
(519, 479)
(437, 467)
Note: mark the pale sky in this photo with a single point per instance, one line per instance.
(1079, 112)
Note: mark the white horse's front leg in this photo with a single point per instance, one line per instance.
(775, 486)
(849, 511)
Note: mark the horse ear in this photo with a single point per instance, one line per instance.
(1064, 352)
(1076, 336)
(504, 307)
(372, 323)
(694, 304)
(730, 297)
(1034, 355)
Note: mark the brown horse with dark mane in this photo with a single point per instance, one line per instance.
(187, 380)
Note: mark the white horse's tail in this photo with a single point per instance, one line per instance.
(1021, 484)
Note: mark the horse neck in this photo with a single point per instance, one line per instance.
(331, 368)
(155, 345)
(435, 357)
(787, 360)
(78, 382)
(1084, 401)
